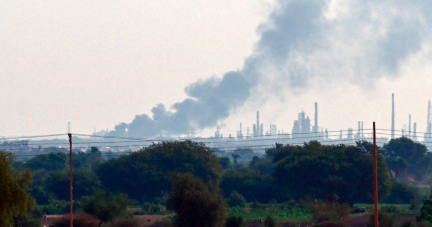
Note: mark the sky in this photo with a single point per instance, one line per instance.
(99, 63)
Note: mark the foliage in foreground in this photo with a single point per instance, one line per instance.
(194, 203)
(384, 219)
(106, 206)
(14, 199)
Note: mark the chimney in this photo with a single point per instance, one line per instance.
(414, 136)
(393, 118)
(316, 118)
(257, 125)
(409, 127)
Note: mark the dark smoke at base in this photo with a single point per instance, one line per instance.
(301, 42)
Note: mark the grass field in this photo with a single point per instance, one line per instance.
(391, 208)
(288, 215)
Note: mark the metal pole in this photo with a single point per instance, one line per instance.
(71, 181)
(375, 167)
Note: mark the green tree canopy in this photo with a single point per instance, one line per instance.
(318, 171)
(85, 183)
(106, 206)
(144, 175)
(413, 152)
(397, 164)
(14, 200)
(416, 155)
(51, 161)
(194, 203)
(250, 183)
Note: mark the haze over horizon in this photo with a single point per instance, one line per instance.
(97, 65)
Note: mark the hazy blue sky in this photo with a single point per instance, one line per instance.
(98, 63)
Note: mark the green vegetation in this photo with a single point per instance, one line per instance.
(280, 214)
(202, 185)
(195, 203)
(145, 175)
(14, 200)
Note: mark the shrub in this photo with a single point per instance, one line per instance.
(385, 219)
(270, 221)
(80, 220)
(234, 221)
(194, 202)
(402, 193)
(236, 199)
(426, 211)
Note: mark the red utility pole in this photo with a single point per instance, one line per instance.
(375, 167)
(71, 181)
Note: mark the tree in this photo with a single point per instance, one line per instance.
(224, 162)
(415, 153)
(236, 199)
(321, 170)
(397, 164)
(194, 203)
(51, 161)
(106, 206)
(85, 183)
(235, 157)
(14, 200)
(246, 154)
(90, 159)
(145, 175)
(250, 183)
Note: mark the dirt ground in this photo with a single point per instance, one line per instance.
(355, 220)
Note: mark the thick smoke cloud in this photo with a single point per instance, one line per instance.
(358, 41)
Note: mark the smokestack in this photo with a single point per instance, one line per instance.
(359, 130)
(316, 118)
(393, 118)
(257, 125)
(414, 137)
(409, 127)
(429, 128)
(255, 131)
(262, 129)
(362, 135)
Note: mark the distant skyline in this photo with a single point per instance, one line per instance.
(96, 63)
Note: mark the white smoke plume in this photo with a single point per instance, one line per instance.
(358, 41)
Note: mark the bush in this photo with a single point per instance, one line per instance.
(194, 202)
(270, 221)
(234, 221)
(151, 208)
(385, 219)
(56, 207)
(236, 199)
(106, 206)
(426, 211)
(80, 220)
(402, 193)
(32, 219)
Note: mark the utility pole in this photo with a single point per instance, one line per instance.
(375, 166)
(71, 181)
